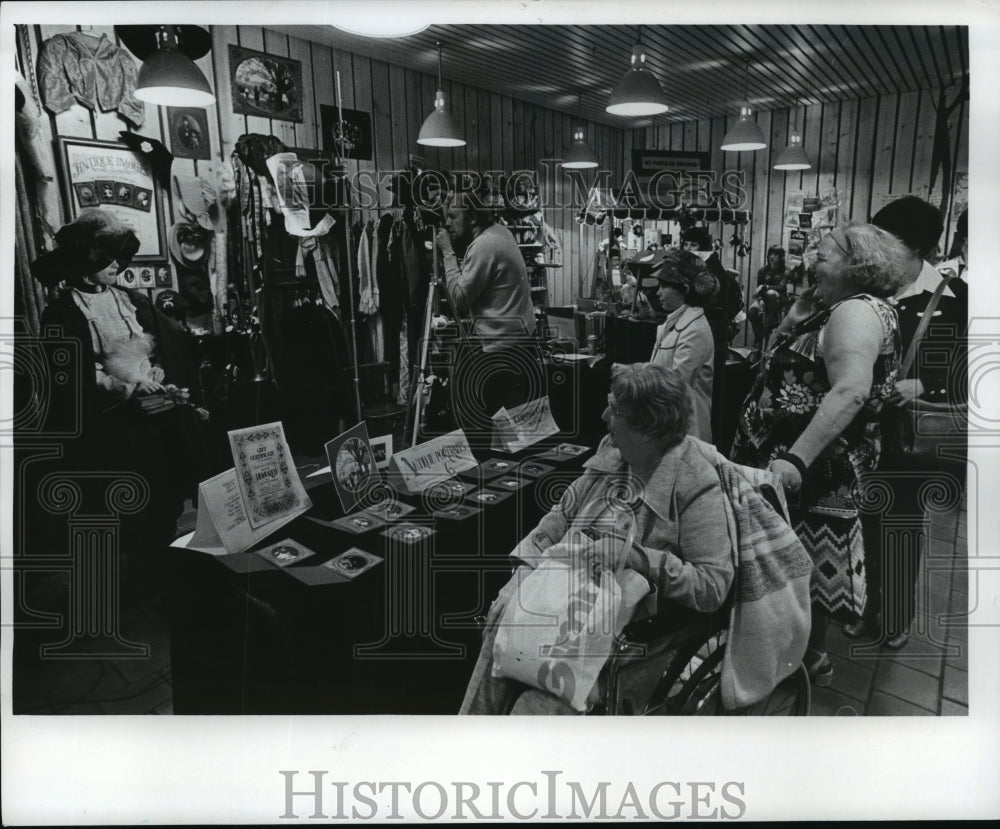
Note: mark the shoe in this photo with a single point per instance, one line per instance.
(855, 630)
(898, 641)
(819, 668)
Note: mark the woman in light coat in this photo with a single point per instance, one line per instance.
(684, 341)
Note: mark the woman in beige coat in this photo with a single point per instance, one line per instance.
(684, 341)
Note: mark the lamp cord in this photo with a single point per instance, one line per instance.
(439, 64)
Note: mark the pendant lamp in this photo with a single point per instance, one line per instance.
(377, 26)
(579, 156)
(793, 157)
(638, 93)
(744, 134)
(439, 128)
(168, 76)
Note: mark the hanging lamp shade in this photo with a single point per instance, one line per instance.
(168, 77)
(381, 26)
(744, 135)
(638, 93)
(579, 156)
(793, 157)
(440, 128)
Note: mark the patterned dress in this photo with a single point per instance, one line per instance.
(790, 385)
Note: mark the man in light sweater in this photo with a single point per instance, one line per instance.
(501, 366)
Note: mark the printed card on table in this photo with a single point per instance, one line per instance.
(352, 465)
(285, 552)
(523, 426)
(352, 563)
(266, 473)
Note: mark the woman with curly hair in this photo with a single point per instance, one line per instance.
(812, 414)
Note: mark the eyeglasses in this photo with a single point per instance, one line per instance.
(836, 241)
(613, 408)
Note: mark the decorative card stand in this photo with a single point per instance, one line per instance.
(244, 505)
(523, 426)
(421, 467)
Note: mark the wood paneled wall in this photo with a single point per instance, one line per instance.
(503, 133)
(867, 150)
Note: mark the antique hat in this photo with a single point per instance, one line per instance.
(189, 244)
(158, 156)
(171, 303)
(91, 242)
(686, 270)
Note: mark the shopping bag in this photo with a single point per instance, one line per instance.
(559, 627)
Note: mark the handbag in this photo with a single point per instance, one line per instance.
(558, 628)
(911, 435)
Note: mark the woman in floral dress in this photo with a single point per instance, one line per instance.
(811, 416)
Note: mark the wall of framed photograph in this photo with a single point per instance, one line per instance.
(108, 175)
(266, 85)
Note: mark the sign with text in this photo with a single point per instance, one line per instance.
(523, 426)
(223, 527)
(414, 470)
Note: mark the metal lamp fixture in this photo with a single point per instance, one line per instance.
(579, 156)
(793, 157)
(638, 93)
(168, 76)
(745, 134)
(440, 128)
(381, 26)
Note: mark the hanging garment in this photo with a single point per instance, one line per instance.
(367, 304)
(77, 67)
(41, 169)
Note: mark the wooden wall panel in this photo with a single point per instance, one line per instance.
(864, 148)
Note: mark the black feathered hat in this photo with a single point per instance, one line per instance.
(88, 244)
(153, 152)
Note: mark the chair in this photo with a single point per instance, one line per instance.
(379, 408)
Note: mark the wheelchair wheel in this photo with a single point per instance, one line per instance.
(701, 695)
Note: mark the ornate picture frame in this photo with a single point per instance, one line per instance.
(109, 175)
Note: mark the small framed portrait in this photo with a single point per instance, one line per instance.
(105, 191)
(382, 450)
(87, 194)
(353, 133)
(142, 199)
(162, 276)
(188, 127)
(124, 193)
(128, 279)
(146, 277)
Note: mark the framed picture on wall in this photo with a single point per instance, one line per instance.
(188, 128)
(108, 175)
(266, 85)
(356, 129)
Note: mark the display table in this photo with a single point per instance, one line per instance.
(248, 636)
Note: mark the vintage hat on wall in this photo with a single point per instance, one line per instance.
(171, 303)
(189, 244)
(153, 151)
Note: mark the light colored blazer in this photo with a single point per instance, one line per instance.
(684, 342)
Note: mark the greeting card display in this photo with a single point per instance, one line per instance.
(523, 426)
(352, 465)
(223, 526)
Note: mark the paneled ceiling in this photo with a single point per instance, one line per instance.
(701, 68)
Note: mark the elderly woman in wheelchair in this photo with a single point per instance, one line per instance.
(642, 535)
